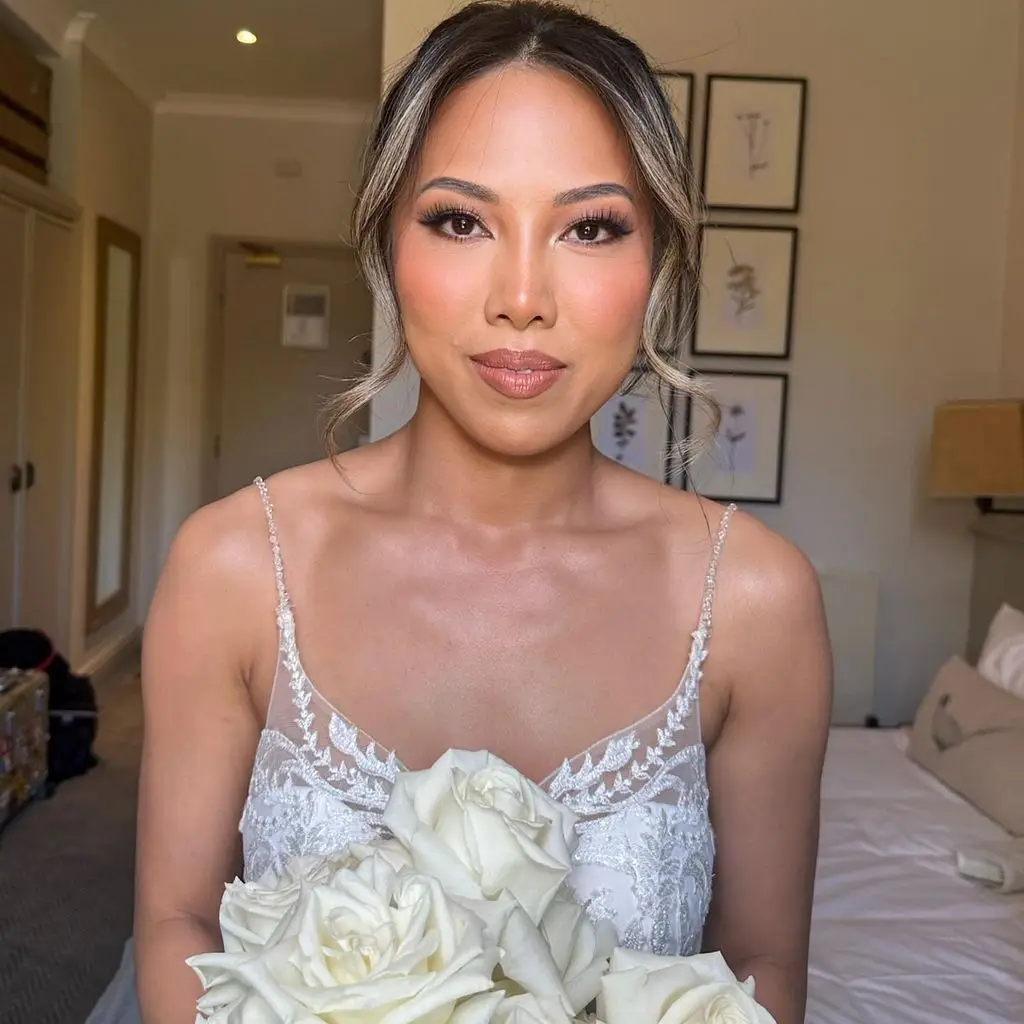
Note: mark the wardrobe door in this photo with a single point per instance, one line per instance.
(49, 432)
(13, 232)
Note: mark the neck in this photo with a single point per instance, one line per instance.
(446, 473)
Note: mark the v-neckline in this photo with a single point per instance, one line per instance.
(296, 668)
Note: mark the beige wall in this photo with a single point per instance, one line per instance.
(1011, 384)
(901, 286)
(105, 164)
(214, 175)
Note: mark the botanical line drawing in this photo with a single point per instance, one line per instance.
(624, 427)
(742, 285)
(733, 430)
(756, 129)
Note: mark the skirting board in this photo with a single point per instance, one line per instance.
(851, 608)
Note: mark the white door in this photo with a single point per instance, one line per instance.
(49, 436)
(271, 392)
(13, 229)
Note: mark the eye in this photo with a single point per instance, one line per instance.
(599, 229)
(462, 224)
(457, 224)
(588, 231)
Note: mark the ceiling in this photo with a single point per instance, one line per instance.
(307, 49)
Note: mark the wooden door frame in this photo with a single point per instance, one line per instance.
(220, 247)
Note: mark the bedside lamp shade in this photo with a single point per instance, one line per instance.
(977, 450)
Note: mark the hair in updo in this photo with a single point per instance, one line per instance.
(487, 35)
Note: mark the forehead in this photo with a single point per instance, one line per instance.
(524, 130)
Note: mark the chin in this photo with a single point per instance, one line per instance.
(523, 440)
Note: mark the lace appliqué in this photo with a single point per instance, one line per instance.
(647, 867)
(646, 847)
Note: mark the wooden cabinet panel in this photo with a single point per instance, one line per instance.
(13, 235)
(26, 85)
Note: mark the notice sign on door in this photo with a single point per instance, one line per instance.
(306, 316)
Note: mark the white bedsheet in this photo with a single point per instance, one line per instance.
(897, 936)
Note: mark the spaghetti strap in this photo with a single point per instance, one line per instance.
(283, 600)
(708, 596)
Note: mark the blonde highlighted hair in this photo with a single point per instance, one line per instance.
(487, 35)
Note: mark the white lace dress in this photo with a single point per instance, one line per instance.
(646, 850)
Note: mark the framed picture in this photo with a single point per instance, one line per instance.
(679, 87)
(633, 430)
(748, 281)
(744, 461)
(754, 143)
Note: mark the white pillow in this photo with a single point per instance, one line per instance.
(1002, 658)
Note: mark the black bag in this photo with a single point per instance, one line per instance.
(73, 711)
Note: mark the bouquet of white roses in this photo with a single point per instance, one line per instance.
(460, 916)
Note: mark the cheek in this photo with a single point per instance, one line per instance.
(435, 288)
(609, 298)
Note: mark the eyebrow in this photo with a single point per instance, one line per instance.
(482, 194)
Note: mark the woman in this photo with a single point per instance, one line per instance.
(483, 578)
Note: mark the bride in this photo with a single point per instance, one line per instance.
(483, 578)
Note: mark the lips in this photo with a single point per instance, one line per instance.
(512, 359)
(518, 374)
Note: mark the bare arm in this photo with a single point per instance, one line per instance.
(765, 772)
(200, 737)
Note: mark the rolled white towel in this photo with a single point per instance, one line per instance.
(999, 866)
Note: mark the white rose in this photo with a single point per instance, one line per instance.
(250, 912)
(368, 945)
(528, 1009)
(482, 828)
(580, 948)
(499, 844)
(641, 988)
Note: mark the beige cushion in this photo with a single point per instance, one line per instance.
(969, 733)
(1002, 657)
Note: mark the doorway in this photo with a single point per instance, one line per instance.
(292, 324)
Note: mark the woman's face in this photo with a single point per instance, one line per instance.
(522, 256)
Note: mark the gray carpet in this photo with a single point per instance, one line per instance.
(66, 877)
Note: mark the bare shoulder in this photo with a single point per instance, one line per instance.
(766, 574)
(223, 543)
(771, 638)
(770, 643)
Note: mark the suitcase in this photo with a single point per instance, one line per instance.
(24, 738)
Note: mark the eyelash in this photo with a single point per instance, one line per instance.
(611, 221)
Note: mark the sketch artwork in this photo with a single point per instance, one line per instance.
(747, 289)
(744, 463)
(741, 287)
(632, 430)
(624, 427)
(756, 130)
(753, 143)
(736, 441)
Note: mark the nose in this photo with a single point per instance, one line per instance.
(521, 292)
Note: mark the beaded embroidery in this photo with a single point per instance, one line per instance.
(646, 849)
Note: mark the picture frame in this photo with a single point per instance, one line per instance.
(632, 430)
(744, 461)
(753, 152)
(679, 85)
(748, 291)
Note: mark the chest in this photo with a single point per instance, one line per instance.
(534, 650)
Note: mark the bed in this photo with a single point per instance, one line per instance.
(897, 935)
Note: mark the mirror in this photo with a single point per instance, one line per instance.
(118, 275)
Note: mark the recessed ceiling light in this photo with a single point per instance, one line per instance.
(245, 37)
